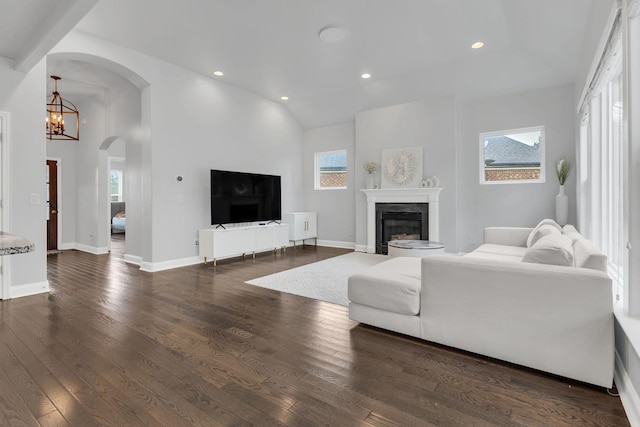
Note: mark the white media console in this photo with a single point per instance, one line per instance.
(218, 243)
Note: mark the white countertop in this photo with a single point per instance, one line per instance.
(11, 244)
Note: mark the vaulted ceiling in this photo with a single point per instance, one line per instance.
(412, 48)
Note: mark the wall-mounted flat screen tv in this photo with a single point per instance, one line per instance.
(244, 197)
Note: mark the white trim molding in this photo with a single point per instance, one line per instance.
(90, 249)
(402, 195)
(5, 264)
(152, 267)
(336, 244)
(361, 248)
(29, 289)
(628, 393)
(132, 259)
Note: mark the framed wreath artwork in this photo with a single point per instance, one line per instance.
(402, 168)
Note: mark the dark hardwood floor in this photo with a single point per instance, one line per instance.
(111, 345)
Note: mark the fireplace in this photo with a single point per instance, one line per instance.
(428, 196)
(400, 221)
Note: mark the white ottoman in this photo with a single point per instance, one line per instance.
(393, 286)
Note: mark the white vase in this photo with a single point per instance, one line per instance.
(562, 207)
(370, 182)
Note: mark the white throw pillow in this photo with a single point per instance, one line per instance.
(549, 221)
(539, 232)
(587, 255)
(570, 231)
(553, 249)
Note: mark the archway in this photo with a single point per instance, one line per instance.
(105, 162)
(114, 118)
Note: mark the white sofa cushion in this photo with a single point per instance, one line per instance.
(507, 236)
(586, 255)
(540, 231)
(553, 249)
(570, 231)
(392, 285)
(493, 256)
(513, 251)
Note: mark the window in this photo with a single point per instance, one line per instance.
(116, 186)
(601, 168)
(331, 170)
(512, 156)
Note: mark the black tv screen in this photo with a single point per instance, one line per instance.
(244, 197)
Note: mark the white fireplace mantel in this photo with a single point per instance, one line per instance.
(402, 195)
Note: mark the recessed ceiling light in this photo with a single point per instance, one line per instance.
(477, 45)
(284, 98)
(333, 34)
(366, 76)
(218, 73)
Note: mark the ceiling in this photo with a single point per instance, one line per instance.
(412, 48)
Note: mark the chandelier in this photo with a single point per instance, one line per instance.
(62, 116)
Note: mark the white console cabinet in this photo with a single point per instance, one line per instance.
(217, 243)
(302, 226)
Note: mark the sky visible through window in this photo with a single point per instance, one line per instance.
(333, 161)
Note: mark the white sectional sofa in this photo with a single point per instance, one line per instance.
(538, 297)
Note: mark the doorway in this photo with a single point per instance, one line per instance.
(4, 176)
(52, 204)
(117, 210)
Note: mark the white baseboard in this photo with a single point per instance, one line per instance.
(92, 249)
(132, 259)
(336, 244)
(29, 289)
(361, 248)
(84, 248)
(628, 393)
(152, 267)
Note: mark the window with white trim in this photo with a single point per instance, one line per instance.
(331, 170)
(116, 185)
(512, 156)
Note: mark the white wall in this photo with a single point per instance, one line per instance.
(22, 95)
(600, 11)
(335, 208)
(87, 176)
(448, 131)
(430, 124)
(191, 124)
(524, 205)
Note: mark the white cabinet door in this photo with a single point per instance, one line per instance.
(205, 243)
(281, 236)
(311, 223)
(264, 238)
(225, 243)
(302, 225)
(232, 241)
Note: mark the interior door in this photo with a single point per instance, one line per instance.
(52, 205)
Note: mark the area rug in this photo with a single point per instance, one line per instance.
(323, 280)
